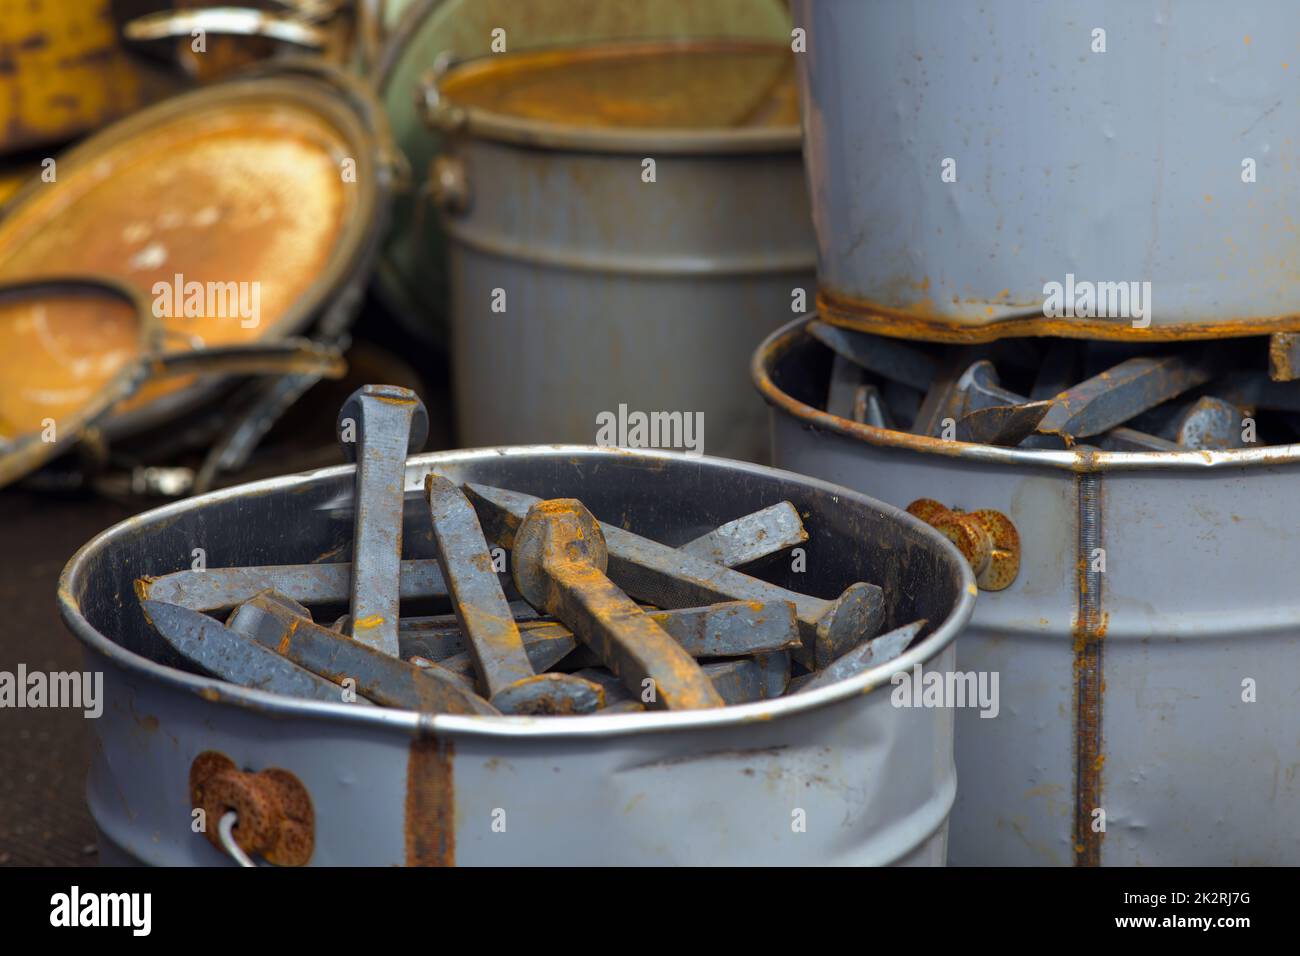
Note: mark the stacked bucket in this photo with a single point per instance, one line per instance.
(961, 159)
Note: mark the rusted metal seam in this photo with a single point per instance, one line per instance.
(430, 823)
(923, 323)
(1089, 681)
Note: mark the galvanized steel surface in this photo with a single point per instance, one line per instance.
(1121, 689)
(392, 787)
(1126, 165)
(412, 274)
(576, 280)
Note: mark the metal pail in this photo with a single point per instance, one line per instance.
(962, 158)
(619, 240)
(873, 782)
(1148, 650)
(412, 274)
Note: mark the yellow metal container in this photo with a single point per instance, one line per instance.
(63, 71)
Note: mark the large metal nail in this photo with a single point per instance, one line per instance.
(221, 589)
(1284, 356)
(842, 391)
(996, 416)
(484, 614)
(228, 655)
(942, 400)
(751, 537)
(889, 358)
(1110, 399)
(737, 682)
(869, 408)
(1128, 439)
(1210, 422)
(1002, 424)
(865, 656)
(669, 578)
(729, 629)
(274, 624)
(385, 423)
(748, 679)
(559, 564)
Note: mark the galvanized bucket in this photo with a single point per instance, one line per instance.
(961, 159)
(1148, 649)
(412, 273)
(577, 277)
(838, 775)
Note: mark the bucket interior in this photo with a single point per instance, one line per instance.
(670, 498)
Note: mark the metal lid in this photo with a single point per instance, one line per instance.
(243, 187)
(72, 348)
(690, 96)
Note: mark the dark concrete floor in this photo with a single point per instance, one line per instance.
(43, 753)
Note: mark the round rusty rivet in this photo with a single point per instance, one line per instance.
(968, 535)
(927, 509)
(1004, 560)
(986, 538)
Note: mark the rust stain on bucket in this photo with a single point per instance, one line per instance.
(430, 803)
(1089, 683)
(926, 322)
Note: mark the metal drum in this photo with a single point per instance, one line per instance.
(874, 781)
(962, 160)
(1148, 650)
(412, 274)
(625, 221)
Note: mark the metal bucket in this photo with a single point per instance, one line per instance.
(575, 280)
(412, 274)
(873, 782)
(960, 160)
(1123, 689)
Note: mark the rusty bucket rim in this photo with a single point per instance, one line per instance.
(476, 122)
(417, 724)
(1080, 460)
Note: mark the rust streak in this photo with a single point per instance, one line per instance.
(430, 803)
(923, 322)
(1089, 635)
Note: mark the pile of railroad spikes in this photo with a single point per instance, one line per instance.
(1155, 397)
(602, 620)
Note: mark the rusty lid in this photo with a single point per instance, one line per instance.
(72, 349)
(236, 210)
(678, 96)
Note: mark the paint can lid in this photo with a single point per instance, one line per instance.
(241, 185)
